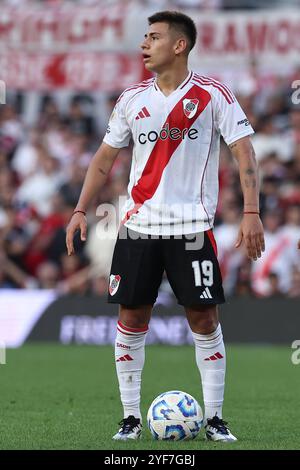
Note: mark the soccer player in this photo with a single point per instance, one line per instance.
(175, 121)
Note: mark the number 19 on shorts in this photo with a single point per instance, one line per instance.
(203, 273)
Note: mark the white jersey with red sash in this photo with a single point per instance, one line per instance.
(173, 187)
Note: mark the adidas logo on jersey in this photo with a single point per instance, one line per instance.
(124, 358)
(206, 294)
(214, 357)
(144, 113)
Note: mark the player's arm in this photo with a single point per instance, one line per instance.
(95, 178)
(251, 229)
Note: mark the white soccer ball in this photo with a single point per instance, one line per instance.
(174, 416)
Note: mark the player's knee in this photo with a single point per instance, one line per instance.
(134, 317)
(205, 326)
(203, 319)
(134, 323)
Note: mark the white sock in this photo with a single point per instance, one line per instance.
(130, 358)
(211, 362)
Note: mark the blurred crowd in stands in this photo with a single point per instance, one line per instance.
(42, 168)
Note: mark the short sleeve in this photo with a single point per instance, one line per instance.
(118, 132)
(231, 121)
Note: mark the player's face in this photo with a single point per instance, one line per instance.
(159, 47)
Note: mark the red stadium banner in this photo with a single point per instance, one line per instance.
(77, 70)
(85, 47)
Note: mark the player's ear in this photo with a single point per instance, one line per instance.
(181, 46)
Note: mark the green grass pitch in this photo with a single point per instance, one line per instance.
(66, 397)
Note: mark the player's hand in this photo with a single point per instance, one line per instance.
(77, 222)
(252, 233)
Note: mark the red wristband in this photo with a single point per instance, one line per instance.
(250, 212)
(82, 212)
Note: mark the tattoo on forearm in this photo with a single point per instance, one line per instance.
(232, 146)
(250, 183)
(102, 171)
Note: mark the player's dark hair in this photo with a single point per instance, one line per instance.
(178, 21)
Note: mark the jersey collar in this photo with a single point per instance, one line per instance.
(182, 85)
